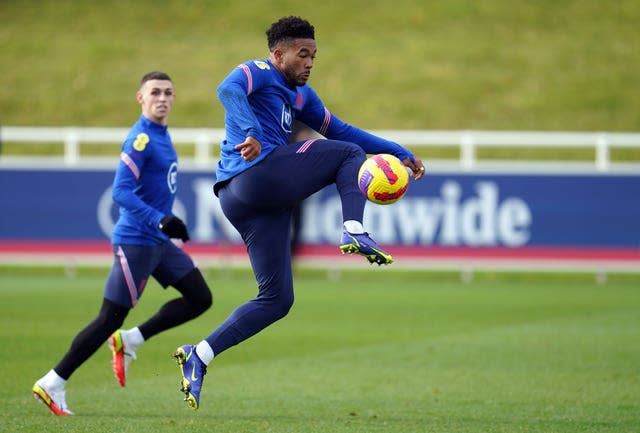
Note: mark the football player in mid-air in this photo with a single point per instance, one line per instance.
(144, 187)
(260, 178)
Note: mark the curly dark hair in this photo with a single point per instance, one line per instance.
(290, 27)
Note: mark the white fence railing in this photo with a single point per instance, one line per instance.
(205, 139)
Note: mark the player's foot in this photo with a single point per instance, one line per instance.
(52, 398)
(123, 354)
(193, 371)
(361, 243)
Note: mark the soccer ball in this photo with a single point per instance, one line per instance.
(383, 179)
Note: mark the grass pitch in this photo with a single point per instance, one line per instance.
(445, 64)
(381, 351)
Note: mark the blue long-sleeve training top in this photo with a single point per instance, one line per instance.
(145, 184)
(258, 102)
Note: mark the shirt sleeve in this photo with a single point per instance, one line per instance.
(127, 180)
(233, 94)
(318, 117)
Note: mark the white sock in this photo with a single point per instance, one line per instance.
(53, 380)
(353, 226)
(204, 352)
(134, 337)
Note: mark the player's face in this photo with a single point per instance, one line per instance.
(297, 60)
(156, 99)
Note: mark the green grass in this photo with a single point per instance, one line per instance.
(382, 351)
(445, 64)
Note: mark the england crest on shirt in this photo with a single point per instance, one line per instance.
(172, 178)
(286, 119)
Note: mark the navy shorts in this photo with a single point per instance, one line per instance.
(133, 264)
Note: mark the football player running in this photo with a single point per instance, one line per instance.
(144, 187)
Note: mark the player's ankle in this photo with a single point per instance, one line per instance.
(353, 226)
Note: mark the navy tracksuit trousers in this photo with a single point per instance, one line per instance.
(259, 201)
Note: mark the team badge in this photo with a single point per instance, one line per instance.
(262, 65)
(172, 178)
(141, 142)
(286, 119)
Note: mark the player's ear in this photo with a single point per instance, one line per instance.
(277, 54)
(139, 97)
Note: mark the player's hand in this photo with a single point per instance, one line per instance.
(417, 167)
(249, 149)
(173, 227)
